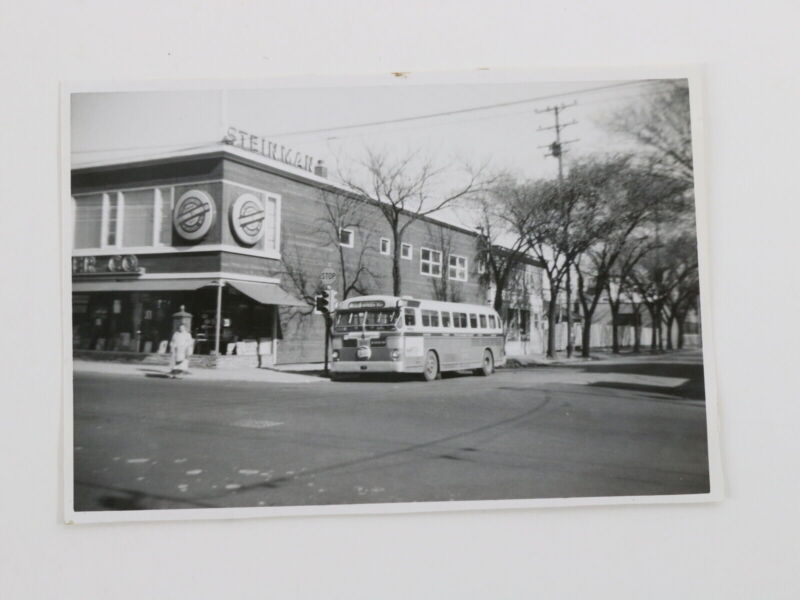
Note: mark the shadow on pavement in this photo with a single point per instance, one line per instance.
(693, 389)
(396, 377)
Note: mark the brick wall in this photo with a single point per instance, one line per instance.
(309, 246)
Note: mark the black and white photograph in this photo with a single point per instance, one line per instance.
(396, 294)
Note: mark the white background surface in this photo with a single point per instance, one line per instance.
(744, 547)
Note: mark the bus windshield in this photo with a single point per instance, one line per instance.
(347, 320)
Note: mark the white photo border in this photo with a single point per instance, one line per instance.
(693, 73)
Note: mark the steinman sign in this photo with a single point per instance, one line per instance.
(259, 145)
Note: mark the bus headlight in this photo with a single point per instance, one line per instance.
(395, 354)
(335, 355)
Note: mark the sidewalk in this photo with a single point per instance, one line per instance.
(597, 357)
(261, 375)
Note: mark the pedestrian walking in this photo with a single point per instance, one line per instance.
(181, 349)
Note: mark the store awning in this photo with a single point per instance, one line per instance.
(266, 293)
(141, 285)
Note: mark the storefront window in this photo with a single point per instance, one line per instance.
(138, 215)
(126, 219)
(88, 221)
(164, 216)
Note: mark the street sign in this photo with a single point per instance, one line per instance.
(327, 276)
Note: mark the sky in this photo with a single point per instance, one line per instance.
(325, 122)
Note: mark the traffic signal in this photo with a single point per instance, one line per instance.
(322, 301)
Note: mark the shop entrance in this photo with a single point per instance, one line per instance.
(142, 321)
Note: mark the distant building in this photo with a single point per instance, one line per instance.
(238, 238)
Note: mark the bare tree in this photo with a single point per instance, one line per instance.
(405, 190)
(661, 123)
(562, 220)
(631, 196)
(348, 212)
(619, 288)
(681, 299)
(502, 218)
(659, 273)
(297, 267)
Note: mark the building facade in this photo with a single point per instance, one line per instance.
(239, 239)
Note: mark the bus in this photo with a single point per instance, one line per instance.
(387, 334)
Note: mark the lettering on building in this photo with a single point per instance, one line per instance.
(264, 147)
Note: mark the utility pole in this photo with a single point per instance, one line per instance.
(557, 151)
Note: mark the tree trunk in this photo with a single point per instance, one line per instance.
(680, 332)
(670, 322)
(569, 312)
(637, 330)
(551, 327)
(655, 328)
(396, 280)
(498, 299)
(614, 328)
(586, 335)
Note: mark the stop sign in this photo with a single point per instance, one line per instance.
(327, 276)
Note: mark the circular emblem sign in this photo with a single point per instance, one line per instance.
(193, 215)
(247, 219)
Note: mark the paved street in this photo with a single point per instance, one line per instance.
(623, 427)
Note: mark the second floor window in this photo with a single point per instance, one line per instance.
(405, 251)
(386, 246)
(346, 238)
(123, 219)
(430, 262)
(457, 267)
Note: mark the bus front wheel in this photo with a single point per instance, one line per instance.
(487, 366)
(431, 370)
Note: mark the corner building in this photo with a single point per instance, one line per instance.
(238, 240)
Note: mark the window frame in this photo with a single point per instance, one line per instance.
(169, 191)
(352, 233)
(410, 247)
(430, 262)
(458, 257)
(432, 316)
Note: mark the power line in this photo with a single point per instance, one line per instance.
(458, 111)
(149, 147)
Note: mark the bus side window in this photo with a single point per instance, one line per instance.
(426, 318)
(473, 321)
(492, 322)
(456, 320)
(483, 321)
(434, 318)
(445, 319)
(410, 318)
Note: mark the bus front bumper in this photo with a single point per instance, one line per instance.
(368, 366)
